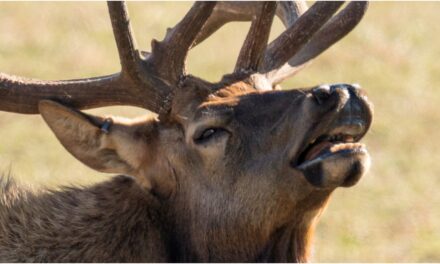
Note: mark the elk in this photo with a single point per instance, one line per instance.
(236, 170)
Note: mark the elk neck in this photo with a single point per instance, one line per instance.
(293, 241)
(238, 240)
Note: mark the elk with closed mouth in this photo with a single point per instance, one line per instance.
(235, 170)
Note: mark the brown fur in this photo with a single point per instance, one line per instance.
(114, 221)
(235, 197)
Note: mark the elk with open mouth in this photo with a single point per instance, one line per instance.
(231, 171)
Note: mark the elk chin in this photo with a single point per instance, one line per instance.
(339, 164)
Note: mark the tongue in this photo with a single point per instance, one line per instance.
(315, 150)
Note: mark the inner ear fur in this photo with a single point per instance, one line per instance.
(123, 149)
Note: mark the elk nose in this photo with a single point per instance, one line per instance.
(355, 115)
(323, 92)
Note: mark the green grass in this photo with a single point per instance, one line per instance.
(393, 214)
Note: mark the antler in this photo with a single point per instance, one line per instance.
(308, 34)
(169, 56)
(142, 82)
(251, 53)
(148, 80)
(332, 31)
(228, 11)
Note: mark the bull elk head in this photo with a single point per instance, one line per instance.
(241, 169)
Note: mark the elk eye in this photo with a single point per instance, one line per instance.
(209, 134)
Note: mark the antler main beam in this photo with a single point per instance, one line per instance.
(22, 95)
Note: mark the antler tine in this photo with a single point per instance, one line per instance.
(151, 91)
(252, 51)
(294, 38)
(169, 55)
(125, 42)
(228, 11)
(334, 30)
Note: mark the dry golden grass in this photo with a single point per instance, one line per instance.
(393, 214)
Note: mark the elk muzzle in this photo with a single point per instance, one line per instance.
(335, 157)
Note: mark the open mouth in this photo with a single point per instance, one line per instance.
(340, 141)
(331, 155)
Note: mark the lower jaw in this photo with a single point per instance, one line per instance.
(342, 168)
(333, 150)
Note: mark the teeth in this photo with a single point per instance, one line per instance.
(334, 138)
(340, 137)
(338, 147)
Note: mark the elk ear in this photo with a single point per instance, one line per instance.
(122, 148)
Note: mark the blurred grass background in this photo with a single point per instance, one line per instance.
(393, 214)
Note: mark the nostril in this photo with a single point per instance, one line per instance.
(321, 93)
